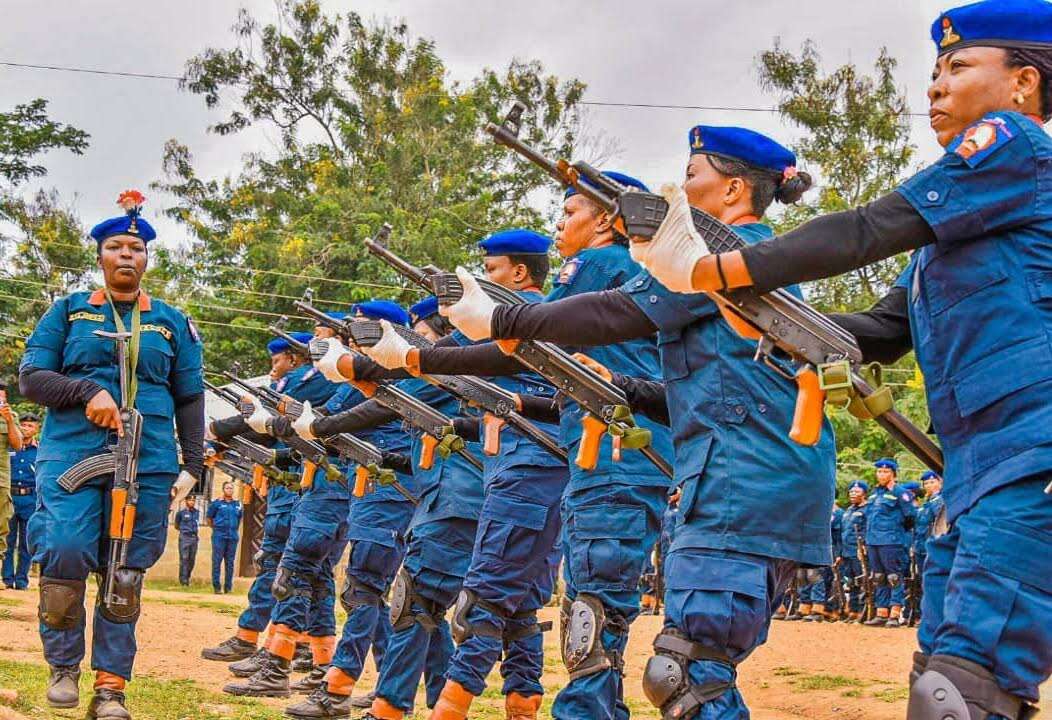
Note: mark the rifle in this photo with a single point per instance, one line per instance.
(605, 404)
(840, 593)
(313, 454)
(865, 580)
(829, 357)
(914, 590)
(122, 462)
(498, 405)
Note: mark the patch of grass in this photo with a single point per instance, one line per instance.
(148, 699)
(216, 607)
(169, 585)
(824, 682)
(851, 693)
(786, 671)
(5, 614)
(890, 695)
(9, 602)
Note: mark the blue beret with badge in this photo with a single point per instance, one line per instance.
(620, 177)
(423, 309)
(387, 310)
(131, 223)
(860, 484)
(516, 241)
(929, 474)
(742, 144)
(280, 345)
(994, 23)
(886, 463)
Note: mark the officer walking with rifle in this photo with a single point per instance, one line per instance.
(851, 552)
(113, 367)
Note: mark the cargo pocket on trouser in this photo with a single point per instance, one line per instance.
(310, 541)
(507, 560)
(606, 546)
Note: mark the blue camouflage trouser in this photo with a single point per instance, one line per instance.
(889, 560)
(608, 531)
(510, 574)
(723, 599)
(67, 537)
(436, 559)
(377, 547)
(851, 571)
(17, 574)
(988, 587)
(276, 528)
(224, 554)
(319, 524)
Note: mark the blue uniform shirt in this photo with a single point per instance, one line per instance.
(169, 370)
(981, 304)
(593, 270)
(890, 511)
(926, 515)
(306, 384)
(24, 467)
(226, 518)
(852, 525)
(746, 485)
(187, 522)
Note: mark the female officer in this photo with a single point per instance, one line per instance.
(72, 371)
(978, 306)
(753, 504)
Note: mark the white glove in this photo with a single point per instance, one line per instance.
(304, 421)
(676, 247)
(326, 364)
(258, 419)
(473, 313)
(392, 349)
(182, 487)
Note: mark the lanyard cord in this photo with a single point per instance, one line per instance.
(133, 347)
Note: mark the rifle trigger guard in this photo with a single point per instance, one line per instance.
(764, 347)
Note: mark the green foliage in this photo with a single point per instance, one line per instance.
(372, 131)
(856, 141)
(26, 132)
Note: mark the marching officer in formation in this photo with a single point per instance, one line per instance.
(753, 509)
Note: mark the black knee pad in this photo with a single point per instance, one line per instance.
(125, 600)
(583, 651)
(951, 688)
(351, 595)
(402, 594)
(666, 677)
(61, 603)
(283, 588)
(461, 628)
(263, 561)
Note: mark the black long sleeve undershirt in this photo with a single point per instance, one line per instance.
(838, 243)
(485, 359)
(190, 429)
(588, 319)
(883, 331)
(55, 390)
(645, 396)
(364, 416)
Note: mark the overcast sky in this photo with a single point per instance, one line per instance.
(686, 52)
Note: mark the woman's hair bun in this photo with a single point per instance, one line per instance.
(791, 189)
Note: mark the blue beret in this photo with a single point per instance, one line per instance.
(994, 23)
(860, 484)
(392, 312)
(929, 474)
(887, 463)
(748, 146)
(913, 487)
(128, 224)
(626, 180)
(423, 309)
(278, 345)
(516, 242)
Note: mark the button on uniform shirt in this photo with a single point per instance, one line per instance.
(225, 516)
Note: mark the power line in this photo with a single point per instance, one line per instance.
(92, 71)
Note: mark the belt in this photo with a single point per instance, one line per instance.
(23, 490)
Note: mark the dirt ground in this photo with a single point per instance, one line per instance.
(806, 670)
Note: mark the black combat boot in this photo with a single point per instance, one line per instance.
(303, 660)
(321, 705)
(271, 680)
(363, 702)
(62, 690)
(249, 666)
(311, 681)
(230, 650)
(107, 705)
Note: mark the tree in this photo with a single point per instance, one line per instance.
(857, 139)
(25, 133)
(371, 130)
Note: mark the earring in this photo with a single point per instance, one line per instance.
(1019, 98)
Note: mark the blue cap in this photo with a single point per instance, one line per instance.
(860, 484)
(887, 463)
(130, 223)
(279, 345)
(620, 177)
(994, 23)
(913, 487)
(423, 309)
(749, 146)
(929, 474)
(392, 312)
(516, 242)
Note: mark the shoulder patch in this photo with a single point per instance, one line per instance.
(568, 271)
(85, 315)
(907, 497)
(980, 140)
(192, 329)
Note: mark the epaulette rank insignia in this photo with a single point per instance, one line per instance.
(165, 332)
(85, 315)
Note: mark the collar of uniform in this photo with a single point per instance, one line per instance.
(1038, 120)
(746, 220)
(98, 297)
